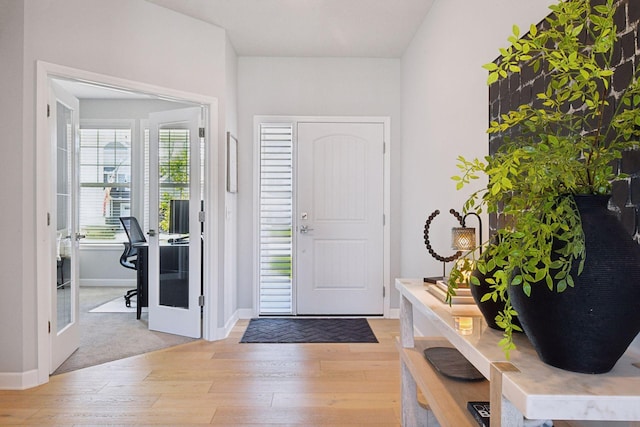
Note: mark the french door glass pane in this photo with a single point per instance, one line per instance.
(64, 211)
(173, 216)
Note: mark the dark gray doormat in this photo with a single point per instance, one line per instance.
(286, 330)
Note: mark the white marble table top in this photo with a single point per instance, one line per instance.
(537, 390)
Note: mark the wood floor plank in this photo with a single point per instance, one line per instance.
(215, 400)
(304, 385)
(15, 415)
(336, 400)
(317, 417)
(225, 383)
(149, 387)
(111, 416)
(97, 401)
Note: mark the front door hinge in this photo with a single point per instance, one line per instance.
(49, 326)
(384, 219)
(201, 132)
(48, 219)
(48, 110)
(201, 300)
(201, 216)
(384, 292)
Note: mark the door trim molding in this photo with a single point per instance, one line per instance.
(294, 120)
(211, 271)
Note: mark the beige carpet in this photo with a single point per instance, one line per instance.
(106, 336)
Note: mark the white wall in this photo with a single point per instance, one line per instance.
(130, 39)
(311, 87)
(229, 291)
(445, 113)
(15, 261)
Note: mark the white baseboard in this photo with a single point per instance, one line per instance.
(120, 283)
(18, 380)
(231, 322)
(246, 313)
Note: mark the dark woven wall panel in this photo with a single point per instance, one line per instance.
(519, 89)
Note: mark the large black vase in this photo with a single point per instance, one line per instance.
(587, 328)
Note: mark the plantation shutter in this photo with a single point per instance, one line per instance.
(276, 218)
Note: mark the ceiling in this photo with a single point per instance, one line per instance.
(311, 28)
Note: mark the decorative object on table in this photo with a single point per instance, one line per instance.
(440, 291)
(481, 411)
(466, 271)
(565, 142)
(427, 242)
(464, 239)
(451, 363)
(597, 318)
(489, 307)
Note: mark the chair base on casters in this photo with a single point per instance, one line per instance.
(128, 295)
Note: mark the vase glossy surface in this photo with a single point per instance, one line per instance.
(588, 327)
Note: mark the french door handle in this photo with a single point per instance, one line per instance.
(151, 232)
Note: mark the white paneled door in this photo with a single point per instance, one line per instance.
(339, 218)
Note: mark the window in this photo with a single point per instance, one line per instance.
(105, 181)
(276, 218)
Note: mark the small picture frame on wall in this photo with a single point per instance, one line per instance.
(232, 163)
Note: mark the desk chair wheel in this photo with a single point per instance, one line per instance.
(128, 295)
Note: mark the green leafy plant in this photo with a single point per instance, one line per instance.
(565, 142)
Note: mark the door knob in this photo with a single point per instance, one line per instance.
(151, 232)
(304, 229)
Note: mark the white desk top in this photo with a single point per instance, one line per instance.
(538, 391)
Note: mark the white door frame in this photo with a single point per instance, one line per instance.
(210, 272)
(294, 120)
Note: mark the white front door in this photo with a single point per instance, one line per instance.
(65, 312)
(175, 194)
(339, 217)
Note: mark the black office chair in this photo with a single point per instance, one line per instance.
(129, 257)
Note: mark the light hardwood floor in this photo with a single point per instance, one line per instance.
(225, 383)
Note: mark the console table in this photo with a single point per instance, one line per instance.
(519, 388)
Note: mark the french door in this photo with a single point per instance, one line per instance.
(175, 236)
(63, 126)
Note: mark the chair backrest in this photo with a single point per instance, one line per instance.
(133, 230)
(135, 235)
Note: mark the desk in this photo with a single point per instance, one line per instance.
(174, 275)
